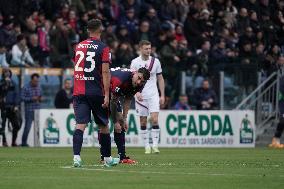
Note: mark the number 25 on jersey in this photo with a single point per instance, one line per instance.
(89, 58)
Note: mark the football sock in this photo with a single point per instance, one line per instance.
(77, 141)
(145, 136)
(155, 133)
(99, 139)
(119, 139)
(105, 144)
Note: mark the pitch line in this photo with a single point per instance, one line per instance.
(161, 172)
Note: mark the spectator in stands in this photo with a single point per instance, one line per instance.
(61, 36)
(3, 60)
(44, 42)
(182, 104)
(130, 21)
(63, 98)
(179, 33)
(7, 34)
(82, 25)
(271, 59)
(170, 58)
(192, 29)
(219, 54)
(205, 97)
(35, 50)
(123, 34)
(124, 55)
(242, 21)
(21, 56)
(144, 32)
(32, 97)
(153, 20)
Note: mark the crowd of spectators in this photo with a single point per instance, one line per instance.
(196, 36)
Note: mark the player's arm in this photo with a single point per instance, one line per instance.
(113, 108)
(106, 74)
(161, 83)
(106, 82)
(126, 106)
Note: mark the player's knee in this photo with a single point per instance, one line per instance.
(143, 122)
(154, 120)
(81, 127)
(104, 129)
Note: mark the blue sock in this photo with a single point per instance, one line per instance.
(77, 141)
(119, 139)
(99, 139)
(105, 144)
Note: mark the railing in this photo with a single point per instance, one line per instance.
(264, 101)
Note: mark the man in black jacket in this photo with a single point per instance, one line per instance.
(63, 98)
(9, 104)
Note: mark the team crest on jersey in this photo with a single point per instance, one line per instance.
(117, 89)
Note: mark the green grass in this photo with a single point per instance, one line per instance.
(50, 168)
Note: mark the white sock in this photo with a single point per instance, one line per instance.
(108, 159)
(145, 137)
(155, 136)
(77, 157)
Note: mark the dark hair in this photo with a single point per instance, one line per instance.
(145, 72)
(34, 75)
(20, 37)
(144, 42)
(94, 25)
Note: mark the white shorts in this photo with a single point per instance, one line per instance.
(147, 106)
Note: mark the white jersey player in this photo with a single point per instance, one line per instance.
(148, 101)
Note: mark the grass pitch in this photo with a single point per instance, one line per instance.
(40, 168)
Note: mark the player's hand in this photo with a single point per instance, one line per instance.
(117, 127)
(139, 96)
(162, 100)
(106, 102)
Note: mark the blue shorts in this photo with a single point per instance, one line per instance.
(85, 105)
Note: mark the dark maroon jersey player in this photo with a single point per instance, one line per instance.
(126, 82)
(89, 57)
(91, 91)
(124, 85)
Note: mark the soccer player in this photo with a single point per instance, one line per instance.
(124, 85)
(148, 101)
(91, 91)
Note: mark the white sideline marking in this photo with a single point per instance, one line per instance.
(160, 172)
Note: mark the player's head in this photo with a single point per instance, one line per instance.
(145, 47)
(94, 26)
(140, 77)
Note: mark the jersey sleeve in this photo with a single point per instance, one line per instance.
(159, 67)
(106, 55)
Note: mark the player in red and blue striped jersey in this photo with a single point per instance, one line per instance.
(125, 83)
(91, 91)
